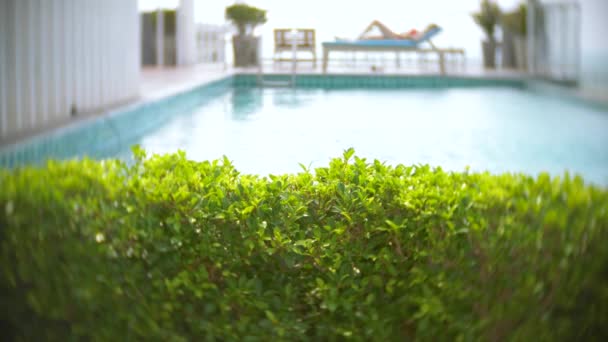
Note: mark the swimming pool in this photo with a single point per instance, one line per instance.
(502, 128)
(497, 129)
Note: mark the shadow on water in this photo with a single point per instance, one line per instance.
(294, 98)
(245, 102)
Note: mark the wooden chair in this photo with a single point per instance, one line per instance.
(305, 42)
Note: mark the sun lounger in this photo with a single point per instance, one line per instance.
(414, 44)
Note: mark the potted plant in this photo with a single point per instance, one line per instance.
(487, 18)
(246, 18)
(516, 23)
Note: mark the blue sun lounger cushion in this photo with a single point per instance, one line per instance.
(387, 42)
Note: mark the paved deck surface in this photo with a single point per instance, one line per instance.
(162, 82)
(155, 83)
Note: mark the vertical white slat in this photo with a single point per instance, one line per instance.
(132, 42)
(22, 45)
(73, 55)
(68, 35)
(46, 58)
(10, 54)
(96, 53)
(60, 38)
(4, 79)
(87, 42)
(81, 47)
(124, 15)
(32, 28)
(123, 52)
(120, 57)
(136, 42)
(83, 18)
(127, 50)
(55, 45)
(103, 42)
(111, 51)
(18, 19)
(68, 66)
(102, 50)
(120, 60)
(90, 57)
(40, 79)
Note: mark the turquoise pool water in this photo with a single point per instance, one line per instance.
(497, 129)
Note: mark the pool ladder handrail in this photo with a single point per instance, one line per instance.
(292, 81)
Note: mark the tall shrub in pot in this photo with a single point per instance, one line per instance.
(245, 18)
(487, 18)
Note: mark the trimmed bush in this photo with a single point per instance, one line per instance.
(176, 250)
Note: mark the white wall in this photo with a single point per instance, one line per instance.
(55, 54)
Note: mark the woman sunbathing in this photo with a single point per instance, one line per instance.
(387, 33)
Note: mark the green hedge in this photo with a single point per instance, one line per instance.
(176, 250)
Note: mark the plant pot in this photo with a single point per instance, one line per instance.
(507, 50)
(521, 52)
(245, 50)
(489, 54)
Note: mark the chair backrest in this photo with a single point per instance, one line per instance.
(429, 33)
(305, 39)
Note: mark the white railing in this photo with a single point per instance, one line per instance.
(211, 43)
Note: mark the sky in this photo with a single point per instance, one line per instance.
(348, 18)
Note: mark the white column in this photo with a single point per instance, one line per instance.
(186, 33)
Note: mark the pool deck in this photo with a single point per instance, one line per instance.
(163, 82)
(157, 83)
